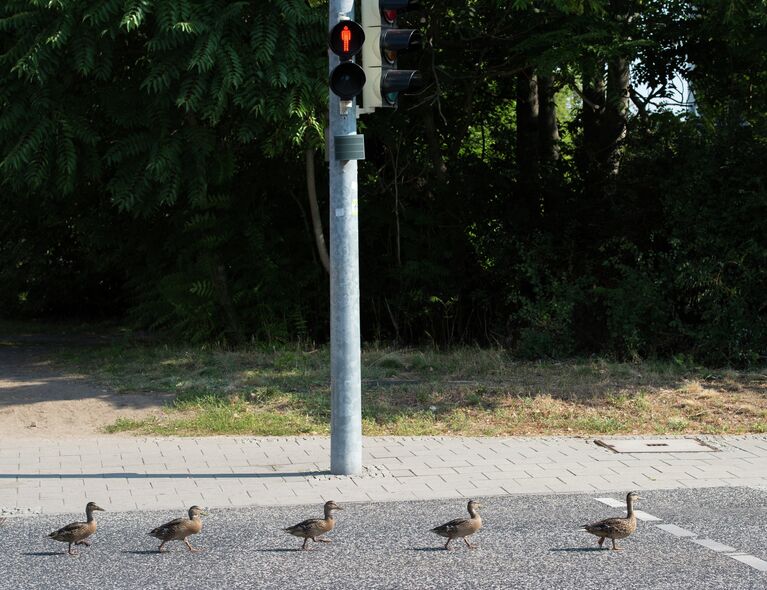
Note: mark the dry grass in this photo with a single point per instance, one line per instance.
(425, 392)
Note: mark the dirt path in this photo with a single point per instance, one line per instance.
(36, 400)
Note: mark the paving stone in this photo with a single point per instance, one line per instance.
(295, 469)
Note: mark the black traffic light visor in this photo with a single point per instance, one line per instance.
(400, 39)
(395, 81)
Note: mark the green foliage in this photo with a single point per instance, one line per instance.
(151, 165)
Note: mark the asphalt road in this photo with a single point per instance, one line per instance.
(527, 542)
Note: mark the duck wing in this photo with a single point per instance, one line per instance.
(170, 529)
(608, 526)
(307, 528)
(72, 532)
(450, 527)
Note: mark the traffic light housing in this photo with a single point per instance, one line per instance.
(346, 40)
(385, 81)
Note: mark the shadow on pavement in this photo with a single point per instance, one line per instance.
(577, 549)
(131, 475)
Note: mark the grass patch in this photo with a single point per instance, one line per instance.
(424, 392)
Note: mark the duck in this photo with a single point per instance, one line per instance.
(461, 528)
(77, 533)
(313, 528)
(618, 527)
(179, 529)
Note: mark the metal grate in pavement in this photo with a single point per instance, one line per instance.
(656, 445)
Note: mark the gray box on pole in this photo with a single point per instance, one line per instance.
(350, 147)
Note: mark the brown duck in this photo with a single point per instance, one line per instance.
(313, 528)
(179, 529)
(460, 528)
(77, 533)
(618, 527)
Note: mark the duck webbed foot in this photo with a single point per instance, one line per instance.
(192, 549)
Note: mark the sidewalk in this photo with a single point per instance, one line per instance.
(121, 473)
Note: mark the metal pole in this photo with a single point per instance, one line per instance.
(345, 372)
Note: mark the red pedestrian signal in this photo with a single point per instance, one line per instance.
(346, 39)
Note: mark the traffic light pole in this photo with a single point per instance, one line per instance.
(345, 369)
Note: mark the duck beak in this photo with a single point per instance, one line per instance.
(338, 508)
(99, 508)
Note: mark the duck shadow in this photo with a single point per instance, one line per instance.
(577, 549)
(146, 552)
(44, 553)
(281, 550)
(428, 549)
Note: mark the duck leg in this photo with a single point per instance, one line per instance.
(69, 550)
(160, 548)
(84, 542)
(601, 542)
(447, 545)
(321, 540)
(192, 549)
(304, 547)
(469, 545)
(615, 547)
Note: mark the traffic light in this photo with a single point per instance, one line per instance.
(346, 40)
(379, 54)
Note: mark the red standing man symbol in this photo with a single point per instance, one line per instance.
(346, 37)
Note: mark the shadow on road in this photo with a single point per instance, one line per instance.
(577, 549)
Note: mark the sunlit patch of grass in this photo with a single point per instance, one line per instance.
(463, 391)
(130, 425)
(677, 424)
(599, 424)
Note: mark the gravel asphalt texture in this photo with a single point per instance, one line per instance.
(527, 542)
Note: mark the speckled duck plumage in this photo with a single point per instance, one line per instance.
(461, 528)
(77, 533)
(179, 529)
(314, 528)
(618, 527)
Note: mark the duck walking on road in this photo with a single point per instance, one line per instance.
(618, 527)
(461, 528)
(77, 533)
(313, 528)
(179, 529)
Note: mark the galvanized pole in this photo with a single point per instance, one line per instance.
(345, 372)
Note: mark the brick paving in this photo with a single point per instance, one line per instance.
(122, 473)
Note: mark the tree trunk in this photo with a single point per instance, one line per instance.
(435, 144)
(221, 287)
(548, 131)
(616, 112)
(527, 129)
(593, 72)
(311, 189)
